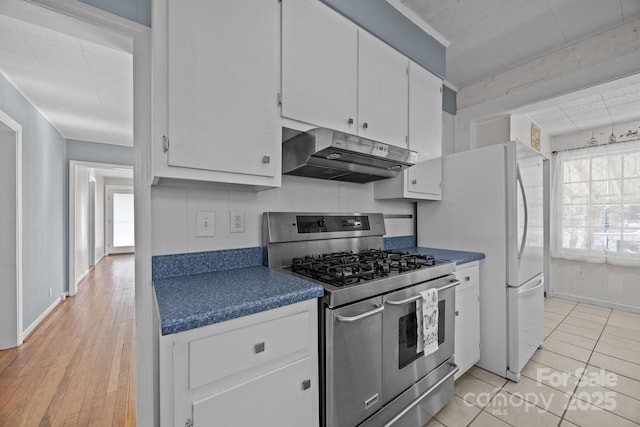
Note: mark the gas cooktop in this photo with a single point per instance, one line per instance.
(348, 268)
(349, 276)
(344, 253)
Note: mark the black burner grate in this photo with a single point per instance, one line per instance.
(348, 268)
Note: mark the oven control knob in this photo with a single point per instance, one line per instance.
(321, 223)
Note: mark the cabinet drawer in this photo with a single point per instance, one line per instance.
(278, 398)
(219, 356)
(468, 275)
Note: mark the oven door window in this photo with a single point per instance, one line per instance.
(408, 335)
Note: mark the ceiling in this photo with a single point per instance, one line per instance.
(83, 87)
(607, 106)
(489, 36)
(83, 83)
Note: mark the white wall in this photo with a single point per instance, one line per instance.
(496, 131)
(510, 128)
(601, 283)
(521, 130)
(576, 140)
(174, 211)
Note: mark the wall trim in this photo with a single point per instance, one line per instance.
(88, 13)
(17, 129)
(601, 303)
(41, 318)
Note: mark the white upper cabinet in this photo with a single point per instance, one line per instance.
(319, 66)
(425, 113)
(222, 74)
(424, 180)
(337, 76)
(382, 91)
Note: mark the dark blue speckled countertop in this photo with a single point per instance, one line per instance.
(459, 257)
(195, 300)
(199, 289)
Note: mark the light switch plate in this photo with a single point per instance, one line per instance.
(237, 221)
(205, 224)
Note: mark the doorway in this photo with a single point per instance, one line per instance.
(120, 220)
(88, 214)
(11, 305)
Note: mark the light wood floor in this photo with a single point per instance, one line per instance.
(78, 367)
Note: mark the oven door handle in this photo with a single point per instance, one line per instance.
(454, 369)
(417, 297)
(378, 309)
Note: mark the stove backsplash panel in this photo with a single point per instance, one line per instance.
(399, 242)
(163, 266)
(174, 211)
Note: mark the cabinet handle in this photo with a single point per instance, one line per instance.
(350, 121)
(467, 278)
(414, 181)
(365, 125)
(306, 384)
(266, 159)
(259, 348)
(457, 313)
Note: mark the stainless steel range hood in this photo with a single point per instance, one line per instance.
(329, 154)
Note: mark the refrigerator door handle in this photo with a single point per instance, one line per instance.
(533, 281)
(526, 213)
(523, 289)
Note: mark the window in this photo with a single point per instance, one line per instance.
(596, 209)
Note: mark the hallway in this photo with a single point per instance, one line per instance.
(78, 367)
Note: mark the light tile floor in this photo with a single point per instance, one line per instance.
(587, 374)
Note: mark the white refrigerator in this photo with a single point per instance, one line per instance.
(493, 201)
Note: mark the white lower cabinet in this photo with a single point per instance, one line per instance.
(276, 398)
(467, 328)
(260, 369)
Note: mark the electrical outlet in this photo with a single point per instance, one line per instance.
(237, 221)
(205, 224)
(580, 275)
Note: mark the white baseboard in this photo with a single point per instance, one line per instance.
(40, 318)
(82, 276)
(607, 304)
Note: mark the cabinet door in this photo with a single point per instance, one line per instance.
(425, 113)
(467, 329)
(382, 92)
(223, 81)
(276, 399)
(319, 66)
(424, 179)
(425, 131)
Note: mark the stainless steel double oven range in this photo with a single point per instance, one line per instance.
(371, 370)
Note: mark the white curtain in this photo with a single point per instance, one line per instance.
(595, 204)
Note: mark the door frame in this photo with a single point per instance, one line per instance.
(73, 164)
(109, 190)
(147, 389)
(17, 129)
(92, 221)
